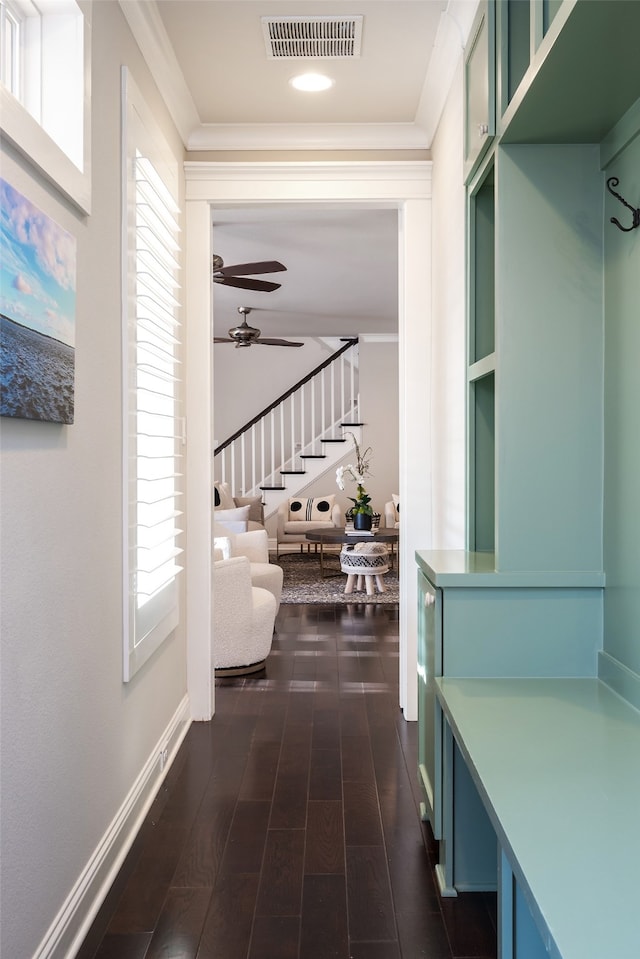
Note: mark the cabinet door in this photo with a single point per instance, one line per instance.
(479, 82)
(429, 713)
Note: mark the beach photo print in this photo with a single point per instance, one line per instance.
(37, 312)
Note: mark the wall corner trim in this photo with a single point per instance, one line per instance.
(623, 680)
(621, 135)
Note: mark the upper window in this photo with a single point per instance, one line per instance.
(12, 37)
(44, 101)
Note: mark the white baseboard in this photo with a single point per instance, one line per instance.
(447, 892)
(70, 927)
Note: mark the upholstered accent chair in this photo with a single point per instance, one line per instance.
(392, 512)
(300, 513)
(242, 620)
(238, 513)
(254, 545)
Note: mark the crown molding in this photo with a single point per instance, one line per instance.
(417, 170)
(308, 136)
(148, 30)
(451, 38)
(149, 33)
(378, 337)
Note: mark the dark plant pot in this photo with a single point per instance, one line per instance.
(362, 521)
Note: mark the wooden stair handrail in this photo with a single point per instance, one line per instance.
(285, 396)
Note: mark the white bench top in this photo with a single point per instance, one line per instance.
(557, 764)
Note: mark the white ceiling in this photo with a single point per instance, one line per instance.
(225, 94)
(232, 80)
(342, 270)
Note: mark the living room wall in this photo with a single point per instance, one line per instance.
(246, 381)
(379, 413)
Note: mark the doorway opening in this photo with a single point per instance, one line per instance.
(403, 187)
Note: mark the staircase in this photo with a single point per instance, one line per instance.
(299, 437)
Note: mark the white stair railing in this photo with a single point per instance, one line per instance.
(274, 449)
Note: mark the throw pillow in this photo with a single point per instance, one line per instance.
(315, 510)
(256, 507)
(396, 505)
(234, 519)
(222, 496)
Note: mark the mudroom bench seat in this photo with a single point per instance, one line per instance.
(541, 801)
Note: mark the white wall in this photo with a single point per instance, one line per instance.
(379, 412)
(447, 379)
(74, 737)
(246, 381)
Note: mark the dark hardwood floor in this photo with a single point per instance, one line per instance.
(288, 827)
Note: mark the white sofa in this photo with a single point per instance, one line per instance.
(243, 618)
(299, 514)
(254, 545)
(238, 513)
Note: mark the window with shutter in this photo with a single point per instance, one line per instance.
(151, 377)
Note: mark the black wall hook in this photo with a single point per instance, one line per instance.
(614, 181)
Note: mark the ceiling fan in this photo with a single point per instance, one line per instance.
(238, 275)
(245, 335)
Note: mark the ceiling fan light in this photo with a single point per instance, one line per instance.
(311, 82)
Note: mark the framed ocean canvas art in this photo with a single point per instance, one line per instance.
(37, 312)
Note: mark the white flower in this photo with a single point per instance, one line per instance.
(357, 472)
(356, 476)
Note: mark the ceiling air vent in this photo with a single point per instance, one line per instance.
(329, 38)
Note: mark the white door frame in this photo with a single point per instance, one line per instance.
(403, 185)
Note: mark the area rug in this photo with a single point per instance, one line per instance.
(302, 582)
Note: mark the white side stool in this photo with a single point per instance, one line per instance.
(365, 564)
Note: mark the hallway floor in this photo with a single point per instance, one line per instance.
(287, 827)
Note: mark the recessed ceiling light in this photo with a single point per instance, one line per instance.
(311, 82)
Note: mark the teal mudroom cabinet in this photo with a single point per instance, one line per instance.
(556, 85)
(478, 622)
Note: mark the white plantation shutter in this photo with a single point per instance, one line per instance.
(153, 425)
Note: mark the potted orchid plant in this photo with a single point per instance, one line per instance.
(362, 511)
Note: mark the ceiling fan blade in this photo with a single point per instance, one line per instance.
(222, 339)
(262, 286)
(267, 341)
(243, 269)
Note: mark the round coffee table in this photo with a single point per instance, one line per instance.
(339, 535)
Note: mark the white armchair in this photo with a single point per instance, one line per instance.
(242, 621)
(297, 515)
(253, 544)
